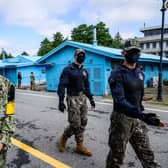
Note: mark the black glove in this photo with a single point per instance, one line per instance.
(151, 119)
(92, 103)
(61, 106)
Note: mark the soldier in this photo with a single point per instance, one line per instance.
(32, 81)
(75, 79)
(19, 77)
(7, 123)
(127, 119)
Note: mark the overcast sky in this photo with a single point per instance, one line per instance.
(24, 24)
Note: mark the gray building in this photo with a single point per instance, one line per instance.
(150, 43)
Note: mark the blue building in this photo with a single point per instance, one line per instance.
(24, 64)
(99, 63)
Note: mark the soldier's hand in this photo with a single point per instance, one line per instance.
(92, 103)
(61, 107)
(152, 119)
(1, 146)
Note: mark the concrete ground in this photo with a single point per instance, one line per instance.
(40, 124)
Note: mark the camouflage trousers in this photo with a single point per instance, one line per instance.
(122, 130)
(77, 117)
(3, 154)
(32, 85)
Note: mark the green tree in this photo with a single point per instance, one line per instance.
(58, 38)
(45, 47)
(117, 41)
(84, 33)
(103, 36)
(80, 33)
(9, 55)
(6, 55)
(24, 53)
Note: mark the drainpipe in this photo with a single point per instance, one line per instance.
(3, 57)
(94, 37)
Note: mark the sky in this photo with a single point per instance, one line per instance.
(25, 23)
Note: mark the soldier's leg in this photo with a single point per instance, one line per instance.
(80, 148)
(3, 158)
(73, 117)
(141, 145)
(31, 85)
(83, 113)
(74, 122)
(119, 134)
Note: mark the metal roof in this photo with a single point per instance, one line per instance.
(19, 61)
(32, 58)
(104, 51)
(153, 28)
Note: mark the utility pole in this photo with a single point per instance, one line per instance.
(163, 9)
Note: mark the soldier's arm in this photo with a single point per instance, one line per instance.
(8, 121)
(7, 129)
(117, 89)
(63, 83)
(87, 90)
(142, 95)
(87, 87)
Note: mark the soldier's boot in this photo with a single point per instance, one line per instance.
(62, 143)
(81, 149)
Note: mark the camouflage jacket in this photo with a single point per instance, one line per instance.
(7, 122)
(32, 78)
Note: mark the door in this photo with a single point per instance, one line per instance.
(96, 79)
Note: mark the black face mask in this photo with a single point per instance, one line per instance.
(80, 58)
(132, 58)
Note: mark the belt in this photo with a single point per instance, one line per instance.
(77, 94)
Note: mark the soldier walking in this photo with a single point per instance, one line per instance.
(7, 123)
(19, 77)
(127, 119)
(74, 78)
(32, 81)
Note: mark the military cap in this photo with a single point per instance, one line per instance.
(128, 46)
(79, 50)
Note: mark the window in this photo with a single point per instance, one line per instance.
(152, 68)
(166, 43)
(154, 45)
(147, 45)
(166, 54)
(142, 46)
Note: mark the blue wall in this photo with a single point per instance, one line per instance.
(98, 66)
(25, 71)
(94, 64)
(11, 74)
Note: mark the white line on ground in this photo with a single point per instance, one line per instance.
(102, 103)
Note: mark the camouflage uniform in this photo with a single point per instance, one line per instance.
(77, 117)
(127, 120)
(32, 81)
(74, 81)
(7, 123)
(124, 129)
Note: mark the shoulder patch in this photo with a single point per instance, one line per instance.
(84, 73)
(140, 75)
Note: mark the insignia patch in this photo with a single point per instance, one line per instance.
(140, 76)
(84, 73)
